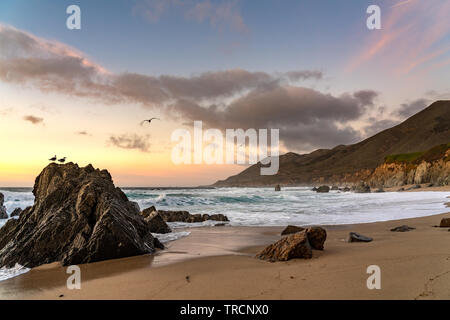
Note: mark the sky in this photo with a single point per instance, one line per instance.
(311, 69)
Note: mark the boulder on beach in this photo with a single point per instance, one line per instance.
(78, 216)
(403, 228)
(362, 187)
(291, 229)
(16, 212)
(445, 223)
(323, 189)
(316, 237)
(294, 246)
(277, 187)
(155, 221)
(3, 214)
(356, 237)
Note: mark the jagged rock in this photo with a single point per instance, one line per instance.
(3, 214)
(346, 189)
(294, 246)
(316, 237)
(362, 187)
(156, 223)
(323, 189)
(403, 228)
(16, 212)
(184, 216)
(445, 223)
(277, 187)
(78, 216)
(356, 237)
(291, 230)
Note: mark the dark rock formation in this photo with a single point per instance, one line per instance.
(277, 187)
(291, 230)
(184, 216)
(445, 223)
(334, 188)
(323, 189)
(356, 237)
(78, 216)
(294, 246)
(16, 212)
(3, 214)
(362, 187)
(155, 222)
(403, 228)
(316, 237)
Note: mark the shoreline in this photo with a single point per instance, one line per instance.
(414, 264)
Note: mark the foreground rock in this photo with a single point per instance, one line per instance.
(362, 187)
(277, 187)
(184, 216)
(294, 246)
(356, 237)
(403, 228)
(78, 216)
(316, 237)
(445, 223)
(155, 221)
(291, 230)
(3, 214)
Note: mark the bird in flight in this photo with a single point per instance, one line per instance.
(149, 120)
(53, 159)
(62, 160)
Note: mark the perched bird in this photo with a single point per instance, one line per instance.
(149, 120)
(62, 160)
(53, 159)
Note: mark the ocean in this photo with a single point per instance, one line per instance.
(266, 207)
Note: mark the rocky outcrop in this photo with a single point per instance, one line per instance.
(356, 237)
(323, 189)
(295, 246)
(78, 216)
(362, 187)
(291, 230)
(155, 221)
(184, 216)
(395, 174)
(16, 212)
(3, 214)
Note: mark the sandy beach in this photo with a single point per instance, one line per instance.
(219, 263)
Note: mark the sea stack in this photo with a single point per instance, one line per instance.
(78, 216)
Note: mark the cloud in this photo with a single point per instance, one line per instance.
(33, 119)
(219, 14)
(234, 98)
(130, 141)
(414, 36)
(408, 109)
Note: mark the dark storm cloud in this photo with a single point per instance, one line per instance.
(130, 141)
(408, 109)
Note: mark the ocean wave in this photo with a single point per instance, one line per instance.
(17, 270)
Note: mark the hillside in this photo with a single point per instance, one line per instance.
(352, 163)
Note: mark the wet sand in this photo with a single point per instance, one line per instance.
(219, 263)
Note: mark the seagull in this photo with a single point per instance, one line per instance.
(149, 120)
(62, 160)
(53, 159)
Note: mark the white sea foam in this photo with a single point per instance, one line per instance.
(7, 273)
(166, 237)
